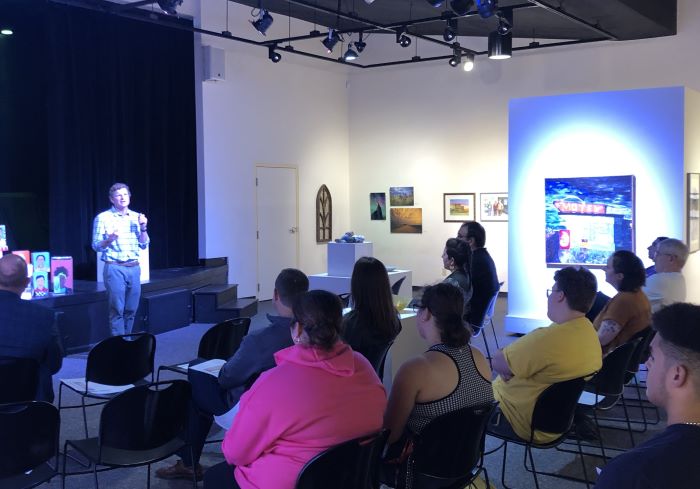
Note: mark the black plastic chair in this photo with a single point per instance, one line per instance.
(553, 413)
(397, 286)
(220, 341)
(448, 453)
(379, 367)
(488, 320)
(116, 361)
(28, 441)
(138, 427)
(350, 465)
(19, 379)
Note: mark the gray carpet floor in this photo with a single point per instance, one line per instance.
(181, 345)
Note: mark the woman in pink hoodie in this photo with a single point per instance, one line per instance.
(320, 394)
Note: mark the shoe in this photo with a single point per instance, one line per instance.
(180, 471)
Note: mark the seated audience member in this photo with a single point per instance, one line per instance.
(373, 321)
(673, 383)
(456, 257)
(451, 375)
(27, 330)
(629, 312)
(651, 251)
(254, 356)
(566, 349)
(483, 272)
(667, 285)
(320, 394)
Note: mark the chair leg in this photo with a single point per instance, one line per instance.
(493, 330)
(63, 472)
(148, 475)
(194, 469)
(94, 471)
(82, 402)
(629, 426)
(503, 467)
(528, 451)
(583, 463)
(600, 434)
(486, 344)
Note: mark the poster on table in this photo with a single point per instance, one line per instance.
(62, 274)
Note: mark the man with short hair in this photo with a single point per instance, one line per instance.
(565, 350)
(673, 383)
(667, 285)
(483, 272)
(27, 330)
(254, 356)
(119, 234)
(651, 252)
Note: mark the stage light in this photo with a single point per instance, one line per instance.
(350, 55)
(369, 2)
(486, 8)
(468, 64)
(169, 6)
(456, 58)
(273, 55)
(331, 40)
(500, 47)
(505, 22)
(6, 32)
(360, 45)
(402, 39)
(461, 7)
(450, 30)
(263, 23)
(435, 3)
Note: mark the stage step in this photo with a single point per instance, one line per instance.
(216, 303)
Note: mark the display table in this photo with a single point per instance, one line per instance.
(341, 285)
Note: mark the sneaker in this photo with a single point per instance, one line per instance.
(180, 471)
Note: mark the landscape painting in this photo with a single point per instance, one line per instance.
(407, 220)
(401, 196)
(459, 207)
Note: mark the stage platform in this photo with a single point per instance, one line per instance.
(167, 303)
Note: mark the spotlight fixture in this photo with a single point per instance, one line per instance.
(350, 55)
(331, 40)
(360, 45)
(369, 2)
(500, 47)
(456, 58)
(169, 6)
(401, 38)
(486, 8)
(468, 64)
(505, 22)
(264, 21)
(461, 7)
(435, 3)
(6, 32)
(273, 55)
(450, 31)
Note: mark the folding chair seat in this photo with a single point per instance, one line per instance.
(553, 413)
(220, 341)
(113, 365)
(28, 441)
(19, 379)
(138, 427)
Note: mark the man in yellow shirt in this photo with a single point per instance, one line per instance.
(566, 349)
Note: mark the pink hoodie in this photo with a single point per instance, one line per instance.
(311, 401)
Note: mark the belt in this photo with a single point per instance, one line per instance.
(132, 263)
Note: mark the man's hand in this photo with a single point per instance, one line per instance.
(112, 237)
(143, 222)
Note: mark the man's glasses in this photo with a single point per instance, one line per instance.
(551, 291)
(417, 307)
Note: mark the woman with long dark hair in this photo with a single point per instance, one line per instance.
(456, 258)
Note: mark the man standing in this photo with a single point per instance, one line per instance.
(673, 383)
(483, 271)
(254, 356)
(27, 330)
(119, 234)
(667, 285)
(651, 252)
(565, 350)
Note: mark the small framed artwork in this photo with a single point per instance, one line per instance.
(494, 207)
(406, 220)
(459, 207)
(693, 212)
(400, 196)
(377, 206)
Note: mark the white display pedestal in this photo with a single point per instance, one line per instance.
(408, 344)
(342, 257)
(341, 284)
(144, 263)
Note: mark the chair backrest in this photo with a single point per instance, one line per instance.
(146, 417)
(379, 367)
(397, 286)
(19, 379)
(345, 299)
(450, 446)
(121, 360)
(492, 306)
(223, 339)
(350, 465)
(28, 436)
(645, 336)
(556, 406)
(610, 380)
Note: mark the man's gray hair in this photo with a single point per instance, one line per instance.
(674, 247)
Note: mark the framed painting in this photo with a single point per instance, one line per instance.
(377, 206)
(459, 207)
(406, 220)
(693, 212)
(401, 196)
(494, 207)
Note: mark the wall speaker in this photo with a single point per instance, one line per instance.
(214, 63)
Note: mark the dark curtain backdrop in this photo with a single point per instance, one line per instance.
(120, 108)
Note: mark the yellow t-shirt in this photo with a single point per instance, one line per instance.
(539, 359)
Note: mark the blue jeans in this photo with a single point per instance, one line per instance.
(123, 286)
